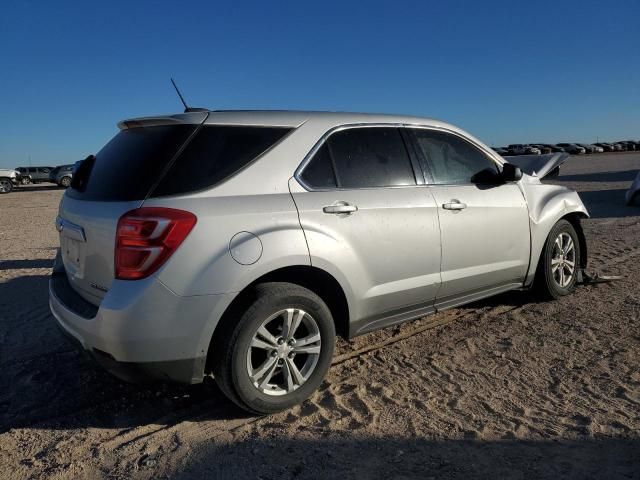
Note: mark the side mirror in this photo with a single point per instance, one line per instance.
(511, 173)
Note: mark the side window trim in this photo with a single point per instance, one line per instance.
(333, 162)
(422, 176)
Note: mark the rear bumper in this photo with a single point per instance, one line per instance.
(142, 331)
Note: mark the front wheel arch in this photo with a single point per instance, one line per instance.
(574, 219)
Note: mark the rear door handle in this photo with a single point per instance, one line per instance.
(340, 207)
(454, 205)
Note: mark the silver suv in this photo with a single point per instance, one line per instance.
(239, 244)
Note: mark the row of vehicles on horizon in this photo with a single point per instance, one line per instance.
(571, 148)
(60, 175)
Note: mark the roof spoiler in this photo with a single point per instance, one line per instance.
(196, 117)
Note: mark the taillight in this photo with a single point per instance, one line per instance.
(146, 237)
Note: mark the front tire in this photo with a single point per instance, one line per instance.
(277, 353)
(5, 185)
(65, 182)
(559, 262)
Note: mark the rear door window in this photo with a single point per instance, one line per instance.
(215, 153)
(370, 157)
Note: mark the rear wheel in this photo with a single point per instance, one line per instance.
(278, 352)
(65, 182)
(25, 180)
(559, 262)
(5, 185)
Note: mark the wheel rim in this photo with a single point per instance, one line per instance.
(563, 260)
(25, 181)
(5, 186)
(66, 182)
(284, 352)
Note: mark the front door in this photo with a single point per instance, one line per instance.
(484, 223)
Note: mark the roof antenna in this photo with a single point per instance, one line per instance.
(187, 108)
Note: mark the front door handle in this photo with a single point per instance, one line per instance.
(454, 205)
(340, 208)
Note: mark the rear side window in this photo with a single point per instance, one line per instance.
(361, 158)
(451, 159)
(318, 173)
(130, 164)
(216, 153)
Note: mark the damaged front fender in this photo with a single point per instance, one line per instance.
(547, 204)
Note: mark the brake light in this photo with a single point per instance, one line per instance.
(146, 238)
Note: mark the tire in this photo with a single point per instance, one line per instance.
(25, 180)
(65, 182)
(551, 281)
(5, 185)
(240, 349)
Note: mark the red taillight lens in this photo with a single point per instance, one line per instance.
(147, 237)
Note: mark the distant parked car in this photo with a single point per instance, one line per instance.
(500, 151)
(543, 148)
(588, 148)
(572, 148)
(607, 147)
(618, 147)
(554, 148)
(62, 175)
(630, 146)
(8, 178)
(522, 149)
(34, 174)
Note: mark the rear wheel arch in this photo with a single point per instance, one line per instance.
(312, 278)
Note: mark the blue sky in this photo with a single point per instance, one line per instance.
(505, 71)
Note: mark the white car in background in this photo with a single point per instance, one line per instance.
(8, 178)
(634, 191)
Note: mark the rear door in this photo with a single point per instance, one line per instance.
(484, 225)
(371, 223)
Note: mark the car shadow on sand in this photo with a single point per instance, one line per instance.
(607, 177)
(384, 457)
(609, 203)
(36, 188)
(44, 379)
(30, 263)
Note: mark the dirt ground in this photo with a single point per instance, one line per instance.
(503, 388)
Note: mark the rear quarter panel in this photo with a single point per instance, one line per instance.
(203, 264)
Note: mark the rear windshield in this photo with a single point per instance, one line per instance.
(129, 166)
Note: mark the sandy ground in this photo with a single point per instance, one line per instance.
(504, 388)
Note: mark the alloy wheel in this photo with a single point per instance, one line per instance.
(563, 260)
(284, 352)
(5, 186)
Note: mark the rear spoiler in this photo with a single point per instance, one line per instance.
(539, 165)
(195, 118)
